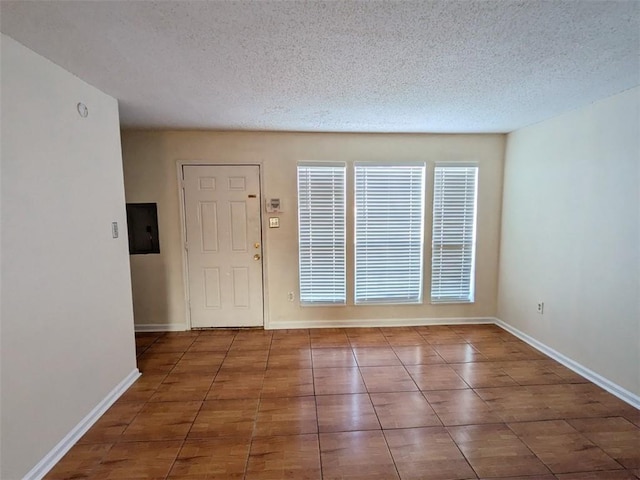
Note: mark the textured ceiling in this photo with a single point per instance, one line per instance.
(344, 66)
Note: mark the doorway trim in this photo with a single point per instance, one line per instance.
(183, 234)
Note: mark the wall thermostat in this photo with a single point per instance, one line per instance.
(272, 205)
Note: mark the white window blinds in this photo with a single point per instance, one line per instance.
(454, 233)
(321, 233)
(389, 215)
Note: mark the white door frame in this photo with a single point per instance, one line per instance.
(183, 235)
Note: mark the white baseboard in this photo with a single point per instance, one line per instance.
(57, 452)
(378, 322)
(49, 460)
(160, 327)
(611, 387)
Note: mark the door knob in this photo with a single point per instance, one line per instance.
(256, 257)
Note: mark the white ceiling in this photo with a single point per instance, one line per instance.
(345, 66)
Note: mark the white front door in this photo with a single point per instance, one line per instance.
(224, 245)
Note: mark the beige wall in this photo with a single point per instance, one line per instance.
(150, 159)
(66, 313)
(570, 236)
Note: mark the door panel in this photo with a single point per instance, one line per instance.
(212, 287)
(224, 258)
(239, 220)
(241, 287)
(209, 226)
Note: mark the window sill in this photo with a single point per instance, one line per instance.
(451, 302)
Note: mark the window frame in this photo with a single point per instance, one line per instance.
(470, 287)
(342, 301)
(419, 290)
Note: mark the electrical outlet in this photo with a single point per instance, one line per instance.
(540, 308)
(290, 296)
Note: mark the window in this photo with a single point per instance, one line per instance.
(321, 233)
(389, 233)
(454, 233)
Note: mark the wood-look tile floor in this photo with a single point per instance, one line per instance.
(440, 402)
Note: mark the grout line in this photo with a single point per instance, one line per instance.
(446, 429)
(149, 401)
(315, 402)
(353, 348)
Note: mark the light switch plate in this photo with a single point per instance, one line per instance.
(274, 222)
(114, 229)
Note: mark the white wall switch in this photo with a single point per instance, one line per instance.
(274, 222)
(114, 229)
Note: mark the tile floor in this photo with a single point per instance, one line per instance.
(439, 402)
